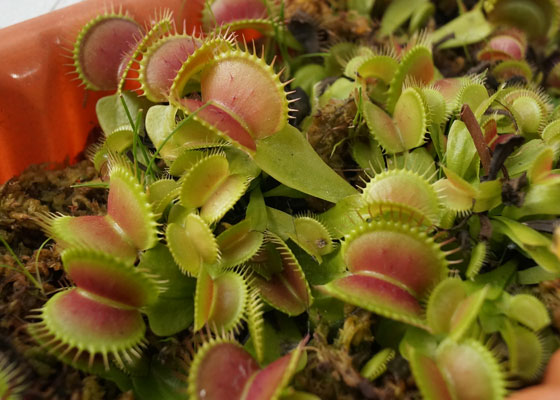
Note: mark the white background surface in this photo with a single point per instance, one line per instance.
(14, 11)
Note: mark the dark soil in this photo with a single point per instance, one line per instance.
(39, 189)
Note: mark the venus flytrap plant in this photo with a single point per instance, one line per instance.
(405, 129)
(531, 109)
(405, 191)
(434, 174)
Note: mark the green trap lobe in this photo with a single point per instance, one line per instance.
(410, 118)
(183, 249)
(382, 127)
(204, 297)
(228, 302)
(472, 371)
(239, 243)
(203, 180)
(223, 199)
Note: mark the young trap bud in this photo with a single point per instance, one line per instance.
(312, 236)
(403, 130)
(531, 109)
(192, 244)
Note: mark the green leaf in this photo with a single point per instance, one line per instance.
(397, 13)
(460, 150)
(523, 158)
(111, 113)
(279, 334)
(534, 275)
(339, 90)
(280, 223)
(468, 28)
(169, 316)
(290, 159)
(362, 7)
(174, 309)
(159, 261)
(497, 279)
(319, 274)
(256, 211)
(161, 383)
(535, 244)
(344, 216)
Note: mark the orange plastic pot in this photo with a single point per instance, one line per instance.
(44, 115)
(549, 389)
